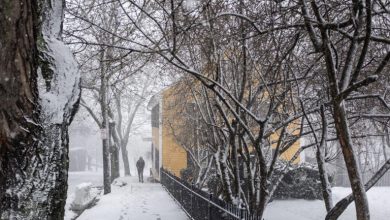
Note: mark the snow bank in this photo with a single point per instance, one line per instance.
(84, 197)
(119, 183)
(75, 179)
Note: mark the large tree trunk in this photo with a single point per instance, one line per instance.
(104, 110)
(19, 116)
(39, 94)
(114, 156)
(342, 129)
(125, 159)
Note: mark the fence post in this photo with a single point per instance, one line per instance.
(209, 205)
(192, 196)
(181, 194)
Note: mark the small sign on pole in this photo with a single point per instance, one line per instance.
(147, 139)
(104, 133)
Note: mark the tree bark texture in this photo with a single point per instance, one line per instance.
(19, 115)
(320, 156)
(343, 134)
(125, 159)
(106, 147)
(114, 163)
(33, 134)
(114, 154)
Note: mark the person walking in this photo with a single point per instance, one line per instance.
(140, 168)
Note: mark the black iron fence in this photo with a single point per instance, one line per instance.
(199, 204)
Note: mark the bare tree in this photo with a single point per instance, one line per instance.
(266, 68)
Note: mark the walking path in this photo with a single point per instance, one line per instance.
(135, 201)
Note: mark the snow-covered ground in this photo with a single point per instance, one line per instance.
(379, 200)
(135, 201)
(146, 201)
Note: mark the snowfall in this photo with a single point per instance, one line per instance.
(150, 201)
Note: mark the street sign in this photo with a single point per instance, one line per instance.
(147, 139)
(104, 133)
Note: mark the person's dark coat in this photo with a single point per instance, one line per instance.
(140, 164)
(140, 167)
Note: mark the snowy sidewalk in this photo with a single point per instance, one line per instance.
(135, 201)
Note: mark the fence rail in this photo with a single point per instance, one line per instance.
(199, 204)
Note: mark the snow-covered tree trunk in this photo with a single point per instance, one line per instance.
(41, 93)
(125, 159)
(19, 115)
(320, 156)
(104, 111)
(114, 150)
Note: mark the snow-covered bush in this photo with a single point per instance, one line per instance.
(119, 183)
(302, 182)
(85, 197)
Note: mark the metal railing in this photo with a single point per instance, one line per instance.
(199, 204)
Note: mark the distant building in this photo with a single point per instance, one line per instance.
(79, 159)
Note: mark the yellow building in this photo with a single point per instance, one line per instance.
(166, 151)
